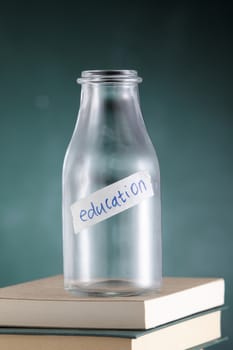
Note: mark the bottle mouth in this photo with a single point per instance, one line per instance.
(109, 76)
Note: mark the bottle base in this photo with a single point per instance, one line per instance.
(109, 288)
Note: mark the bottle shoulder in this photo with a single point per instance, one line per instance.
(113, 162)
(119, 148)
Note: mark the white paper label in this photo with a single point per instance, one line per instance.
(111, 200)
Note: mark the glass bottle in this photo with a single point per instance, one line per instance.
(111, 192)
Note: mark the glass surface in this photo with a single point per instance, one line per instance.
(120, 255)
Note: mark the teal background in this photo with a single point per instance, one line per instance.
(183, 51)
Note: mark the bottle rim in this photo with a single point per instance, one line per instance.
(109, 76)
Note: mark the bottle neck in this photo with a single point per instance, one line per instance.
(111, 113)
(111, 98)
(110, 118)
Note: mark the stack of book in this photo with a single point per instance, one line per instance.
(40, 315)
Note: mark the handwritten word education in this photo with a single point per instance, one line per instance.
(111, 200)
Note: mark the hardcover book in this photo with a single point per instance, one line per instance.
(44, 303)
(197, 331)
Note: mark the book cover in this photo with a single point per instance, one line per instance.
(44, 303)
(190, 332)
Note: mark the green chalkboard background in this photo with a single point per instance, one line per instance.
(183, 50)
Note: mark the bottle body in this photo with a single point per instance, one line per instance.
(120, 254)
